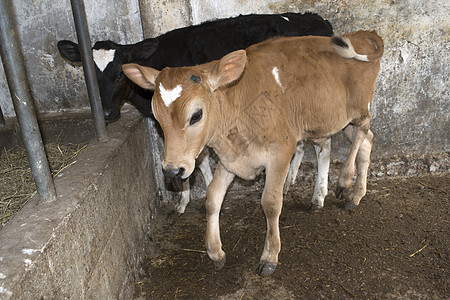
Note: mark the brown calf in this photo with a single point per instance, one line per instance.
(253, 106)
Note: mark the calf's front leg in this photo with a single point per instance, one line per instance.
(323, 150)
(180, 207)
(204, 166)
(214, 197)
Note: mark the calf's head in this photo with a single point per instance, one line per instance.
(109, 57)
(186, 105)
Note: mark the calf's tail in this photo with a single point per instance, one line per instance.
(343, 46)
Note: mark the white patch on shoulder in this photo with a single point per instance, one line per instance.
(276, 76)
(361, 57)
(168, 96)
(286, 18)
(103, 57)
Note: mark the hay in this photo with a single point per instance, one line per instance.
(16, 182)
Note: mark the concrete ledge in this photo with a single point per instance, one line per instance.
(88, 243)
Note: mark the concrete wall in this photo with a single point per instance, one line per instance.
(160, 16)
(411, 107)
(56, 85)
(89, 243)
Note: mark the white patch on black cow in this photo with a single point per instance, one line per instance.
(103, 57)
(168, 96)
(286, 18)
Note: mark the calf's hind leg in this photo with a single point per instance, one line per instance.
(362, 167)
(358, 135)
(271, 201)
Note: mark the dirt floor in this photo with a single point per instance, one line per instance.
(395, 245)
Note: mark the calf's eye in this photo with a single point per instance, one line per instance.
(197, 116)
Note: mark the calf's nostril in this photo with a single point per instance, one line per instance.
(174, 173)
(107, 112)
(180, 172)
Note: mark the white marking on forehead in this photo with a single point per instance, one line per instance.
(168, 96)
(286, 18)
(103, 57)
(276, 76)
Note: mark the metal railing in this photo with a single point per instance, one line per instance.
(12, 59)
(84, 41)
(23, 104)
(2, 118)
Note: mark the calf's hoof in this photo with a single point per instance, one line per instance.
(349, 205)
(180, 209)
(266, 268)
(340, 192)
(314, 208)
(218, 264)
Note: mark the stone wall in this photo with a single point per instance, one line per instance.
(411, 106)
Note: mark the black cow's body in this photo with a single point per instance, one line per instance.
(188, 46)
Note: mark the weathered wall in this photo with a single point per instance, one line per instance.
(56, 85)
(411, 106)
(160, 16)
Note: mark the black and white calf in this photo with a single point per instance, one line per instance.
(184, 47)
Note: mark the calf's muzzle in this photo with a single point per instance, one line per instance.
(173, 172)
(111, 114)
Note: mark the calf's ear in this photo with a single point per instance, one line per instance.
(227, 69)
(69, 50)
(143, 50)
(145, 77)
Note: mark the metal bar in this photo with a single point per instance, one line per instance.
(2, 118)
(12, 58)
(84, 41)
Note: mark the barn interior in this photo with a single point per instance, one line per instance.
(112, 231)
